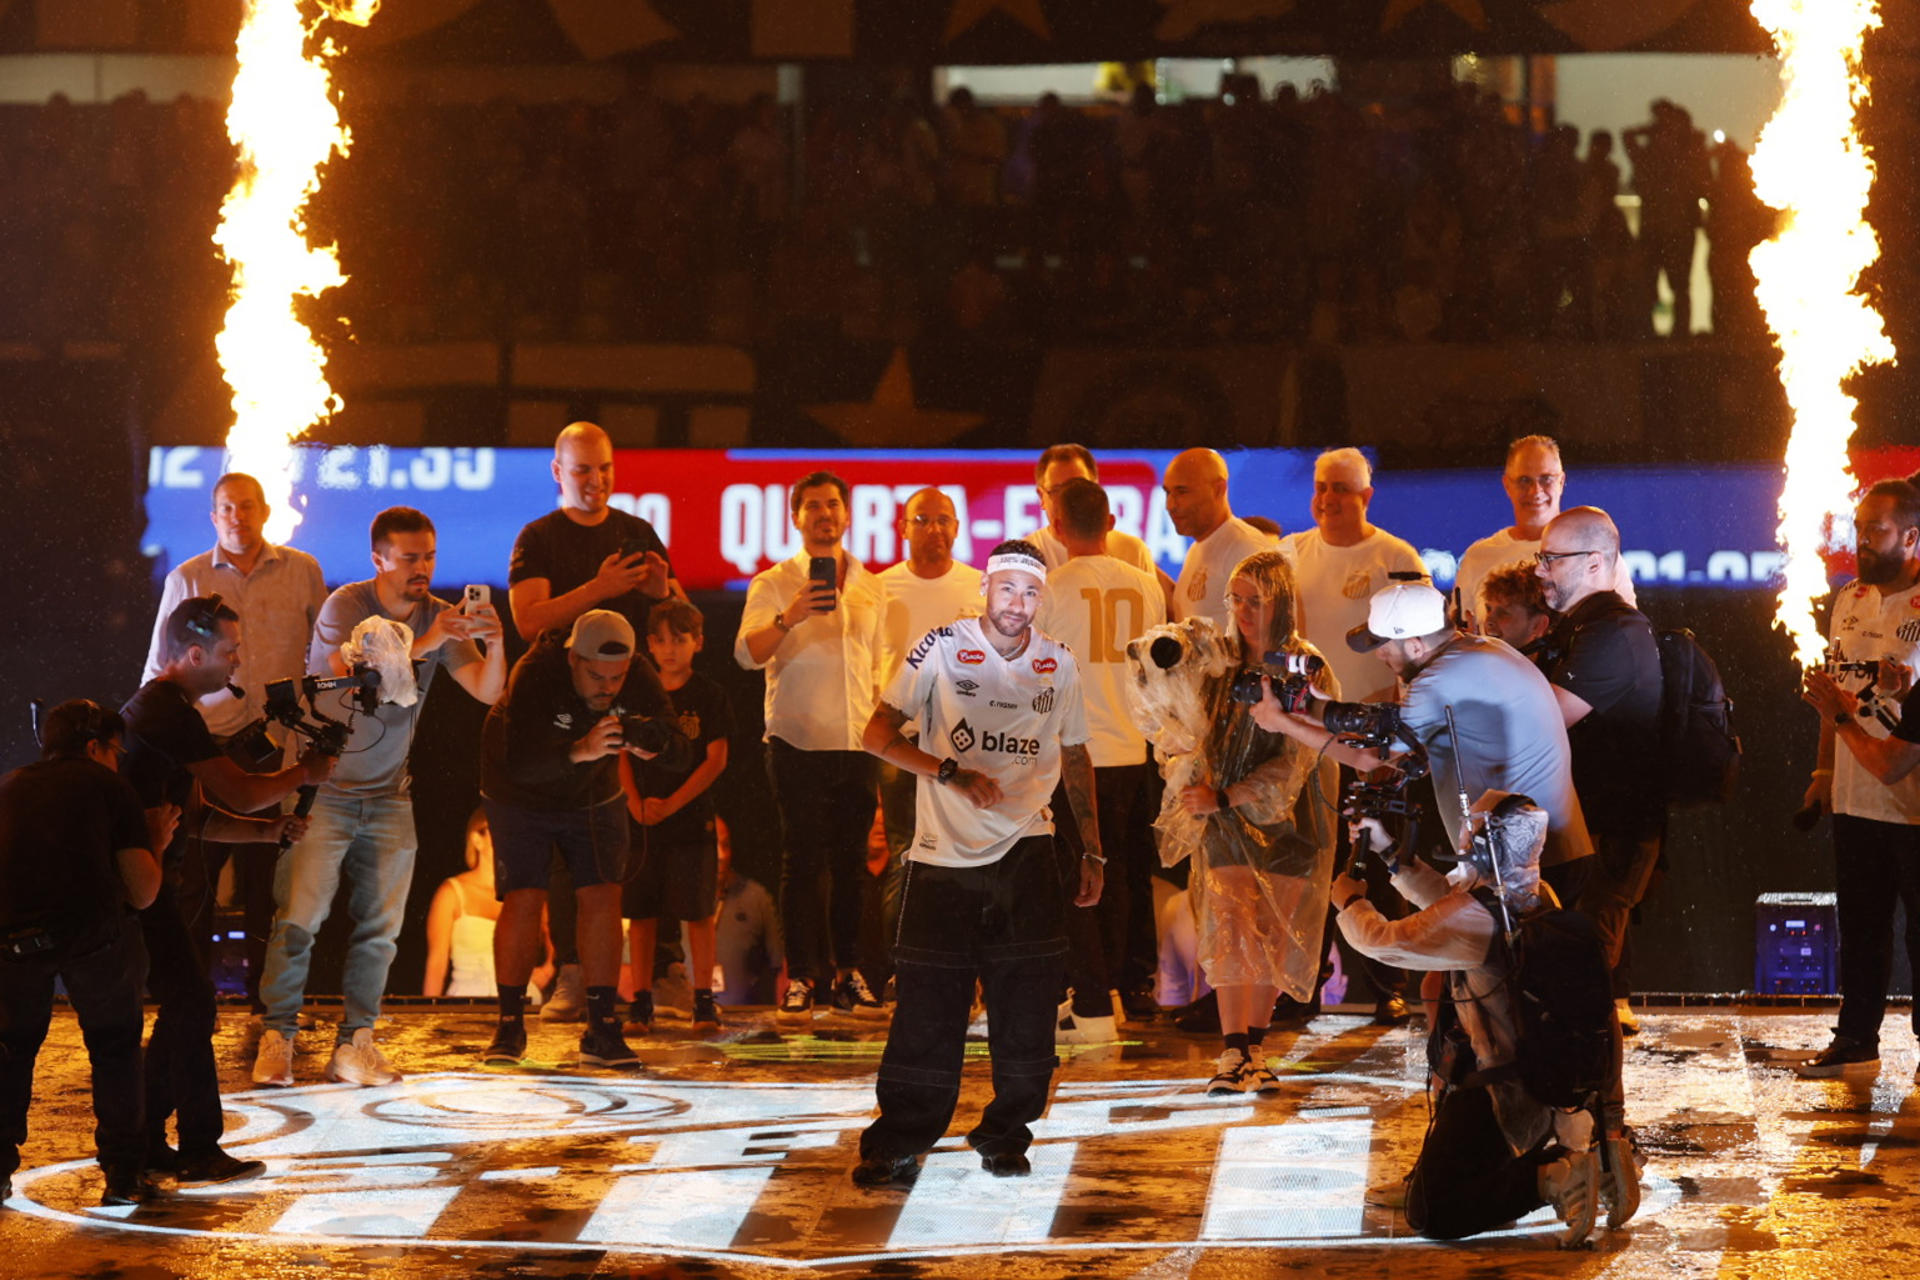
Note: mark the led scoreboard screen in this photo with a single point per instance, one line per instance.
(724, 513)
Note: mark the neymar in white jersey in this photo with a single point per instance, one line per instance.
(1002, 723)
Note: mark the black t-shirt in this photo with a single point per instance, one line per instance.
(705, 718)
(530, 730)
(1606, 654)
(1908, 730)
(165, 737)
(61, 822)
(568, 555)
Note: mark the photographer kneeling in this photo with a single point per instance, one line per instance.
(1494, 1152)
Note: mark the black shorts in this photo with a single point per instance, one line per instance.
(672, 879)
(592, 842)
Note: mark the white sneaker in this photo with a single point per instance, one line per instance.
(1571, 1186)
(1235, 1074)
(1263, 1081)
(1075, 1028)
(359, 1061)
(273, 1064)
(568, 1003)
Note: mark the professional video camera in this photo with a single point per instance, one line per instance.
(1378, 725)
(1291, 673)
(328, 735)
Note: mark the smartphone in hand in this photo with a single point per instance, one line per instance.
(478, 596)
(823, 572)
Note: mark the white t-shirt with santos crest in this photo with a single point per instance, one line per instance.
(1004, 717)
(1095, 605)
(1202, 589)
(1868, 625)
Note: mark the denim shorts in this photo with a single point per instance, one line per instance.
(592, 842)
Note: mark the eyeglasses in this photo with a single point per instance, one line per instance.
(1538, 482)
(933, 522)
(1236, 601)
(1548, 557)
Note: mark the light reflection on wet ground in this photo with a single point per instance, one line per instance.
(729, 1157)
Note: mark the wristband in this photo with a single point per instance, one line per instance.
(1220, 799)
(1823, 773)
(1841, 719)
(1093, 857)
(780, 621)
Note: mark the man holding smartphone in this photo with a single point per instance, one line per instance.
(813, 623)
(587, 554)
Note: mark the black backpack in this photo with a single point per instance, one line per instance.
(1563, 1004)
(1699, 751)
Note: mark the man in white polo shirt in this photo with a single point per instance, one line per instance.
(984, 899)
(1096, 606)
(1196, 489)
(818, 644)
(928, 589)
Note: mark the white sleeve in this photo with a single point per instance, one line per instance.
(907, 691)
(172, 592)
(759, 612)
(1073, 708)
(1453, 933)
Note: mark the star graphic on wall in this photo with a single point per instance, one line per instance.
(892, 418)
(967, 14)
(1472, 12)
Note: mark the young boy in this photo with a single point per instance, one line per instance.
(677, 871)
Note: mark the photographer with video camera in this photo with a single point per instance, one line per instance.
(550, 779)
(1494, 1152)
(363, 816)
(75, 863)
(171, 759)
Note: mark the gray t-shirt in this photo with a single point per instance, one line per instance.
(375, 762)
(1512, 737)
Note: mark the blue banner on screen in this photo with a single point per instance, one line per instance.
(723, 513)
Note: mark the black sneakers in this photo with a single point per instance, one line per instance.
(852, 995)
(601, 1046)
(124, 1187)
(640, 1016)
(706, 1014)
(509, 1044)
(217, 1166)
(886, 1171)
(1006, 1164)
(1843, 1056)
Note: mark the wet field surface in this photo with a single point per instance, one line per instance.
(728, 1157)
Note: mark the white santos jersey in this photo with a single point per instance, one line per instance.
(1867, 625)
(1096, 605)
(1004, 717)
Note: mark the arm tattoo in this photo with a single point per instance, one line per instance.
(1076, 768)
(894, 719)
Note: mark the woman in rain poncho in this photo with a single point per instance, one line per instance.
(1255, 811)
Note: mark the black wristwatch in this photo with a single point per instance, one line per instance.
(948, 768)
(1842, 719)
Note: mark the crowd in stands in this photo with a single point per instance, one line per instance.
(1254, 216)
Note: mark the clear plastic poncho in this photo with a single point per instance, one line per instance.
(1261, 870)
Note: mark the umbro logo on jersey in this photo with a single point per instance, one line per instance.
(961, 735)
(1044, 702)
(967, 688)
(1043, 666)
(971, 657)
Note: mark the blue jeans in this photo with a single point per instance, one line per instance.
(371, 839)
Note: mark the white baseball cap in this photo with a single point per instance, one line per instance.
(1400, 612)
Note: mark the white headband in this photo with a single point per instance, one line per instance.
(1019, 561)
